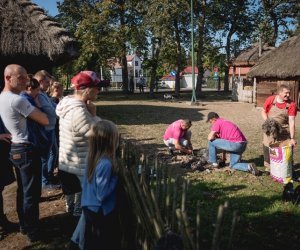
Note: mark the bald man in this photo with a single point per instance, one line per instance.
(14, 111)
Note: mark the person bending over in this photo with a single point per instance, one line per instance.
(178, 137)
(225, 135)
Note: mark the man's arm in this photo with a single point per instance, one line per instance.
(292, 130)
(39, 117)
(181, 148)
(212, 135)
(264, 114)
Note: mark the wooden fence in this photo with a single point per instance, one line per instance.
(157, 201)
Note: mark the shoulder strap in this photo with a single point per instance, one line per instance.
(274, 100)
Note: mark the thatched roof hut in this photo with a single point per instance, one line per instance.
(30, 38)
(282, 63)
(250, 56)
(279, 66)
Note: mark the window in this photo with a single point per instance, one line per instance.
(136, 63)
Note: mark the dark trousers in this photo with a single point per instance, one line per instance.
(1, 205)
(48, 161)
(27, 165)
(101, 232)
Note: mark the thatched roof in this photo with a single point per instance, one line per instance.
(281, 63)
(250, 56)
(25, 30)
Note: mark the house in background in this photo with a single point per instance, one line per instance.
(186, 77)
(242, 87)
(32, 39)
(134, 64)
(278, 67)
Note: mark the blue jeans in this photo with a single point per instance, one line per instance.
(48, 161)
(236, 150)
(78, 235)
(27, 165)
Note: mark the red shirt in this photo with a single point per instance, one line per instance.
(292, 109)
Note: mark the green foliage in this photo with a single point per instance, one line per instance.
(159, 31)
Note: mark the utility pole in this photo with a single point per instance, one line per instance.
(193, 57)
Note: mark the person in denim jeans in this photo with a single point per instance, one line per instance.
(48, 161)
(226, 136)
(14, 111)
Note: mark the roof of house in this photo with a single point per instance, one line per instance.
(188, 70)
(114, 62)
(282, 62)
(27, 31)
(239, 70)
(130, 57)
(250, 56)
(168, 78)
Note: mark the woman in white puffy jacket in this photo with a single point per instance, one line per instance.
(76, 115)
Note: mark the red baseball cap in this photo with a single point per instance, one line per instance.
(85, 79)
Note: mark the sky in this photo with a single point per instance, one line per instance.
(49, 5)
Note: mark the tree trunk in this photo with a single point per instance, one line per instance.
(227, 48)
(124, 73)
(155, 56)
(201, 35)
(178, 62)
(124, 51)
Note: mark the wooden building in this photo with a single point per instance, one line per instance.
(279, 66)
(32, 39)
(242, 86)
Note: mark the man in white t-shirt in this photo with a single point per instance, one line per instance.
(14, 111)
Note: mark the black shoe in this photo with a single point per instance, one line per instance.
(73, 246)
(253, 169)
(7, 225)
(33, 237)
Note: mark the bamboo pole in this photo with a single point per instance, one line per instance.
(174, 201)
(198, 226)
(233, 225)
(167, 200)
(187, 228)
(217, 232)
(183, 195)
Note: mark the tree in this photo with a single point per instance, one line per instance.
(232, 18)
(105, 30)
(276, 15)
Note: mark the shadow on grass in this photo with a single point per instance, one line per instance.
(261, 224)
(147, 114)
(55, 232)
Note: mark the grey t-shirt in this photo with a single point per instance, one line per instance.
(14, 111)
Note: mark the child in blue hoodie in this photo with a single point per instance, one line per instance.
(99, 187)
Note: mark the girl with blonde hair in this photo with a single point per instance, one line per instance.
(99, 187)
